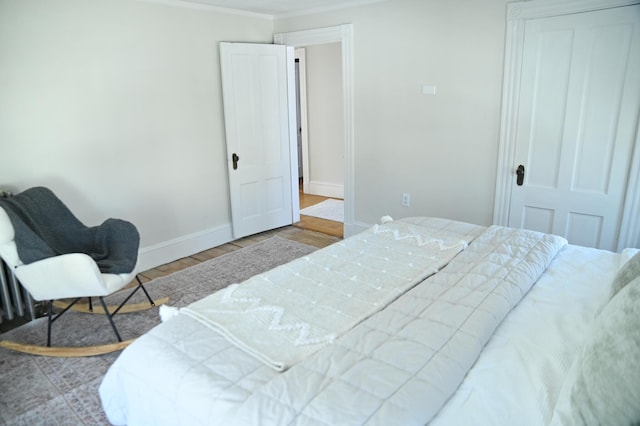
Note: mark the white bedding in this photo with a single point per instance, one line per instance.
(182, 372)
(529, 355)
(288, 313)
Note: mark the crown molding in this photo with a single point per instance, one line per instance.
(194, 5)
(325, 9)
(202, 5)
(546, 8)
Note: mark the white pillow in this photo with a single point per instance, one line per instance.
(606, 389)
(629, 271)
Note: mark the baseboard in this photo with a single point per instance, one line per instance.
(353, 228)
(168, 251)
(325, 189)
(158, 254)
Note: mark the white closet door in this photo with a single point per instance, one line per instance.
(577, 117)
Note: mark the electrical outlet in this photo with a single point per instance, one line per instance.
(406, 199)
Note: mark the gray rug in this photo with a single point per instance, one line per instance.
(38, 390)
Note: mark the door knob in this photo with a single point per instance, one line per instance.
(520, 174)
(235, 159)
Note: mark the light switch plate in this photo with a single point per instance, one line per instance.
(429, 90)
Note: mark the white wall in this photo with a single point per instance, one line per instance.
(325, 120)
(116, 105)
(441, 149)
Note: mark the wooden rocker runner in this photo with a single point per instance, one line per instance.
(84, 351)
(55, 256)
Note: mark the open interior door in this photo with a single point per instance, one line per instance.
(257, 88)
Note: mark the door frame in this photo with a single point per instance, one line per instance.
(337, 34)
(301, 55)
(517, 15)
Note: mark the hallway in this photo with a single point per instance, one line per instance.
(328, 227)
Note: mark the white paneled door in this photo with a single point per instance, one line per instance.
(576, 124)
(255, 87)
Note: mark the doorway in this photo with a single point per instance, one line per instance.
(321, 128)
(320, 137)
(340, 34)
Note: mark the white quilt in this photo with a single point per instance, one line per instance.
(402, 365)
(522, 368)
(286, 314)
(399, 366)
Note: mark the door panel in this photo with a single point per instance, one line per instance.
(545, 101)
(576, 122)
(583, 229)
(256, 104)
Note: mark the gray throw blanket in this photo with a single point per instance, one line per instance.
(45, 227)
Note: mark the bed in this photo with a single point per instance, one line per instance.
(415, 321)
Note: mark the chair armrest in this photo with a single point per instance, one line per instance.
(63, 276)
(9, 253)
(6, 228)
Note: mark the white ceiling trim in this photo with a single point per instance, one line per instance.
(322, 9)
(246, 11)
(209, 8)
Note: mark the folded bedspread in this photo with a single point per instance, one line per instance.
(284, 315)
(398, 366)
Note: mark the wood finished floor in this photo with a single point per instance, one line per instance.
(328, 227)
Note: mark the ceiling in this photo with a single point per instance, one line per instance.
(281, 7)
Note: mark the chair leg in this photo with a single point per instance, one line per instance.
(124, 302)
(49, 321)
(145, 291)
(109, 316)
(51, 318)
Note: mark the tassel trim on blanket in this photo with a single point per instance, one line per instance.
(168, 312)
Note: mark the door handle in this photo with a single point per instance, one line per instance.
(235, 159)
(520, 174)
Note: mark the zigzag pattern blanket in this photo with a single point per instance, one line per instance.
(284, 315)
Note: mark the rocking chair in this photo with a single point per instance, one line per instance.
(55, 256)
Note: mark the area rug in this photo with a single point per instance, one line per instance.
(64, 391)
(328, 209)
